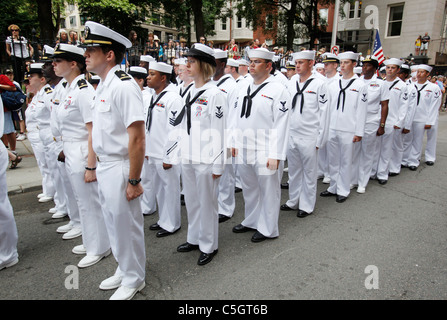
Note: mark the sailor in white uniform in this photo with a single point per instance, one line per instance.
(8, 228)
(366, 150)
(308, 132)
(331, 63)
(261, 137)
(227, 84)
(162, 149)
(119, 143)
(425, 118)
(348, 106)
(202, 125)
(75, 117)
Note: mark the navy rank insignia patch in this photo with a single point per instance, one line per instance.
(48, 90)
(219, 112)
(122, 75)
(82, 84)
(283, 106)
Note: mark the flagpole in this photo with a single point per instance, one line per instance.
(335, 23)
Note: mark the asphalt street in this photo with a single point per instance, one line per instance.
(387, 244)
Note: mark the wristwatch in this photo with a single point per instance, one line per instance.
(382, 125)
(134, 182)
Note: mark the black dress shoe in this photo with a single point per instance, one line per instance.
(187, 247)
(154, 227)
(241, 229)
(327, 194)
(429, 163)
(285, 185)
(206, 257)
(237, 190)
(403, 166)
(182, 200)
(381, 181)
(258, 237)
(341, 199)
(413, 168)
(302, 214)
(223, 218)
(393, 174)
(285, 207)
(163, 233)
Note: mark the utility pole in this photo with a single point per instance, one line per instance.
(335, 23)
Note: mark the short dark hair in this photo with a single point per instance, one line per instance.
(119, 55)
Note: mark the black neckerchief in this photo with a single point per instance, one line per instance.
(419, 91)
(342, 90)
(246, 104)
(149, 110)
(300, 92)
(187, 109)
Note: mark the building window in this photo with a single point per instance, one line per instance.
(395, 15)
(84, 19)
(352, 10)
(269, 22)
(156, 19)
(63, 26)
(239, 22)
(224, 23)
(73, 21)
(359, 10)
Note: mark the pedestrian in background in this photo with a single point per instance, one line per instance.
(18, 49)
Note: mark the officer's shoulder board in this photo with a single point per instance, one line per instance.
(122, 75)
(48, 90)
(82, 83)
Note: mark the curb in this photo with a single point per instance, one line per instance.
(29, 187)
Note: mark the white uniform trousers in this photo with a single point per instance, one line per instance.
(302, 158)
(39, 154)
(167, 190)
(66, 187)
(407, 141)
(94, 232)
(262, 192)
(385, 152)
(363, 158)
(46, 137)
(397, 151)
(148, 201)
(430, 147)
(226, 199)
(201, 205)
(418, 129)
(340, 150)
(123, 220)
(8, 228)
(323, 163)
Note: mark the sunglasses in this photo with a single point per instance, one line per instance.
(14, 30)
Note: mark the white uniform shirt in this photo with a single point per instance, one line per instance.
(267, 126)
(398, 104)
(352, 117)
(205, 141)
(281, 78)
(183, 89)
(43, 106)
(161, 144)
(76, 109)
(377, 92)
(429, 100)
(312, 121)
(31, 122)
(117, 104)
(58, 96)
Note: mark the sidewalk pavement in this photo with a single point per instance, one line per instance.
(26, 176)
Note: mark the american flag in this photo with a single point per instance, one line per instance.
(377, 51)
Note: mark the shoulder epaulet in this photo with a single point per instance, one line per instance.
(64, 84)
(82, 84)
(48, 90)
(122, 75)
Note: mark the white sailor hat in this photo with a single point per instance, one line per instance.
(98, 35)
(147, 58)
(243, 62)
(220, 54)
(405, 66)
(425, 67)
(69, 52)
(348, 55)
(330, 57)
(414, 67)
(232, 63)
(35, 67)
(283, 69)
(304, 55)
(276, 58)
(394, 61)
(138, 72)
(290, 64)
(182, 61)
(358, 70)
(262, 53)
(319, 65)
(160, 67)
(383, 69)
(176, 61)
(47, 53)
(202, 52)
